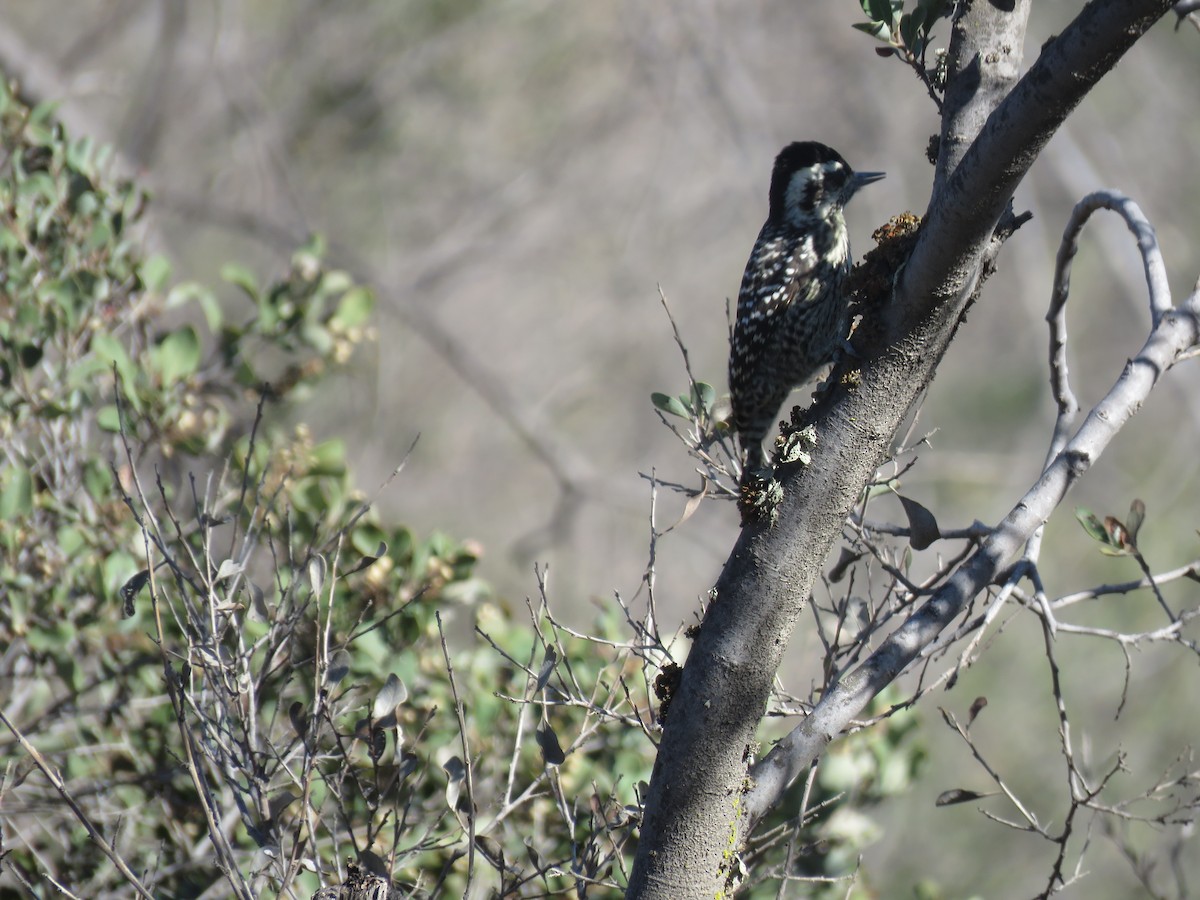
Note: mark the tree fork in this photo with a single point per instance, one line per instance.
(696, 811)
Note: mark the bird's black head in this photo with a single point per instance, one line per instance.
(811, 180)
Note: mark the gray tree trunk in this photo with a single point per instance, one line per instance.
(705, 796)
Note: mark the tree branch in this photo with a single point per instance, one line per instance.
(974, 186)
(701, 802)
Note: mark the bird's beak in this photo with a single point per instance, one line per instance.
(862, 179)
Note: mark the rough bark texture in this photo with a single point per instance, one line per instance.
(702, 797)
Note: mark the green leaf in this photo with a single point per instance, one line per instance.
(1091, 524)
(79, 154)
(314, 247)
(367, 537)
(86, 204)
(245, 375)
(468, 591)
(240, 276)
(16, 495)
(368, 559)
(874, 29)
(70, 541)
(336, 282)
(668, 404)
(103, 156)
(268, 313)
(318, 337)
(63, 294)
(354, 309)
(178, 356)
(1117, 534)
(880, 11)
(402, 545)
(97, 477)
(910, 27)
(193, 292)
(846, 770)
(882, 490)
(108, 349)
(155, 272)
(329, 457)
(43, 112)
(108, 418)
(38, 186)
(703, 396)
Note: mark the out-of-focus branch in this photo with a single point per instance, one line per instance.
(82, 817)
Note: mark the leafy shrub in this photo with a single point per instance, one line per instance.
(240, 674)
(225, 674)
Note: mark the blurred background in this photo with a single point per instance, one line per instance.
(518, 179)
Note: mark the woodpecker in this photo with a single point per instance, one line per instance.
(792, 310)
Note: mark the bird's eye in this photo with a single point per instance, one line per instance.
(836, 177)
